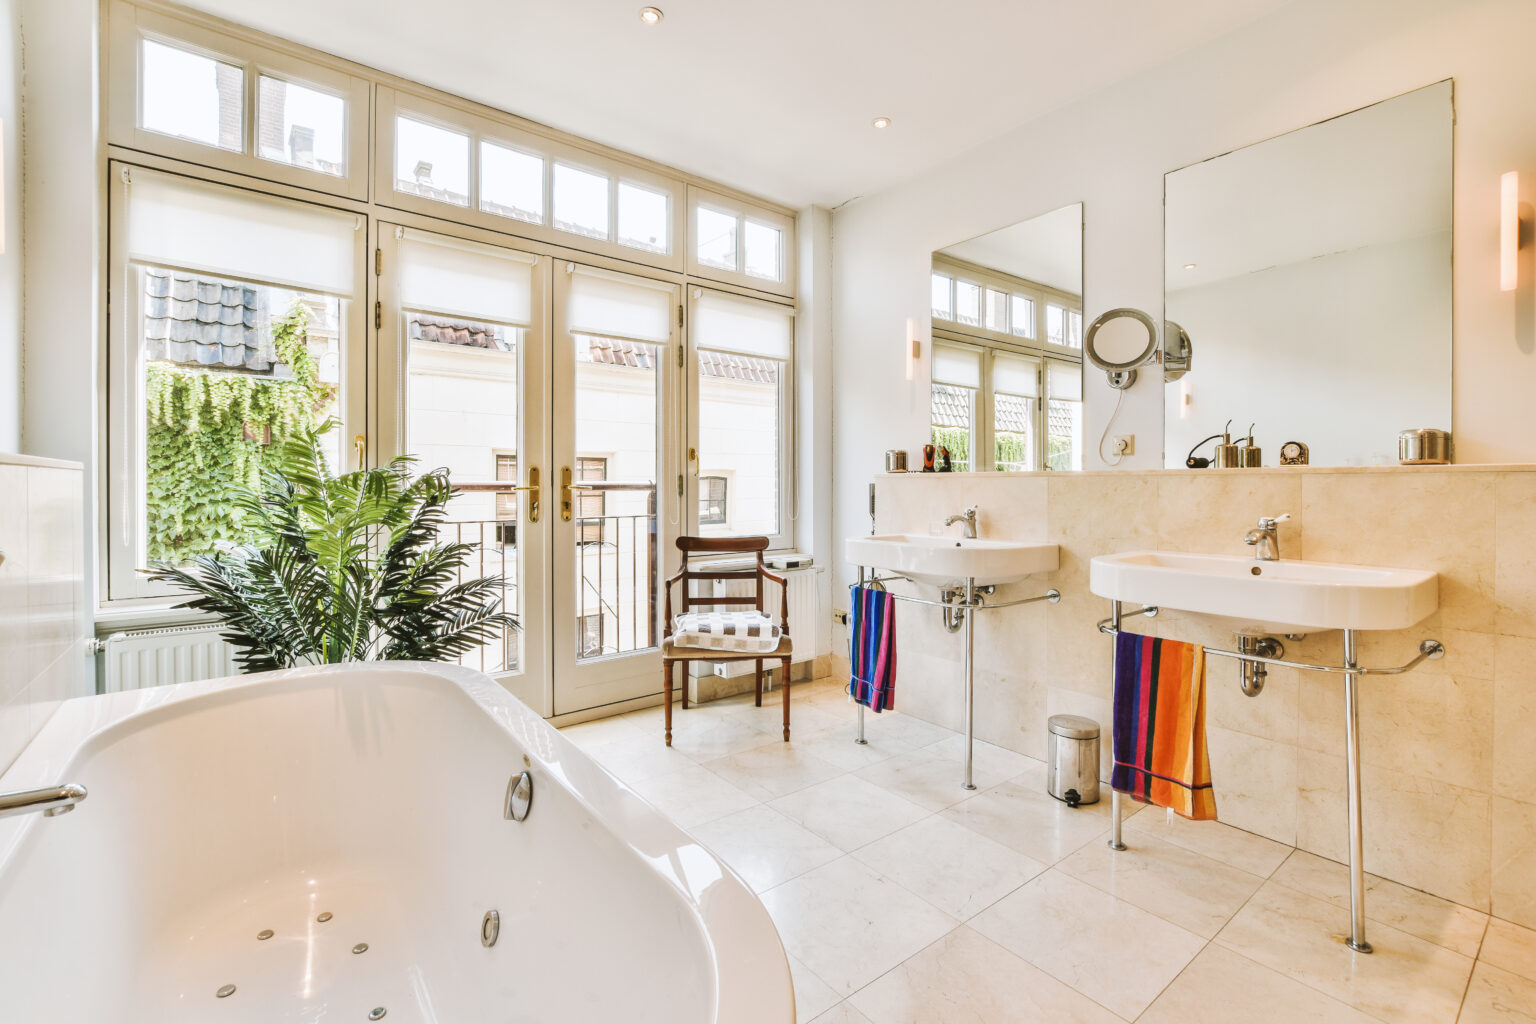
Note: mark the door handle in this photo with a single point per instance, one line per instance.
(534, 493)
(693, 460)
(360, 445)
(565, 493)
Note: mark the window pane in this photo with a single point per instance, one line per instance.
(1064, 448)
(193, 97)
(763, 251)
(643, 218)
(431, 162)
(739, 412)
(997, 311)
(953, 419)
(229, 368)
(581, 202)
(1021, 317)
(1013, 431)
(1074, 329)
(943, 300)
(968, 303)
(717, 238)
(511, 183)
(1055, 324)
(301, 126)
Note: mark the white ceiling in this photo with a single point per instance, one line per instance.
(775, 99)
(1382, 174)
(1047, 249)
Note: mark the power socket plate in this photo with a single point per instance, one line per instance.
(1125, 444)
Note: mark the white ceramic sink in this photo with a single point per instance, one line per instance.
(1287, 596)
(949, 561)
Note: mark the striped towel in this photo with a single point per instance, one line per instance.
(1161, 756)
(872, 648)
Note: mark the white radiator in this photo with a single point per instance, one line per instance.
(804, 613)
(155, 657)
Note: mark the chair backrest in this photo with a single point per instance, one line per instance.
(758, 574)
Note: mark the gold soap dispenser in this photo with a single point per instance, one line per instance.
(1226, 453)
(1250, 455)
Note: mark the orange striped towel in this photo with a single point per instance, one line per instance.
(1161, 756)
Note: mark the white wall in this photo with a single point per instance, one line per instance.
(1311, 60)
(10, 197)
(1338, 352)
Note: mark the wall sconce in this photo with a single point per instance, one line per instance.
(1509, 231)
(914, 350)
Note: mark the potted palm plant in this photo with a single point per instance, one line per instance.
(341, 568)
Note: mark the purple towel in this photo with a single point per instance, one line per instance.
(872, 648)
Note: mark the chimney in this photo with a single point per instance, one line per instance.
(423, 173)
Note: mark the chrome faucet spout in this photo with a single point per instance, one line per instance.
(968, 517)
(1265, 539)
(53, 801)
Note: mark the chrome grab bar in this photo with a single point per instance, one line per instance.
(53, 801)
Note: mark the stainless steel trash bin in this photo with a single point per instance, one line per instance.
(1072, 761)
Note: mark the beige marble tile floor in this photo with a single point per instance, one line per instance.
(904, 899)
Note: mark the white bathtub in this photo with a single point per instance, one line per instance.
(374, 794)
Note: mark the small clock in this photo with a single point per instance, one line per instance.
(1294, 453)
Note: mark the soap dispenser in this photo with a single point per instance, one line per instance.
(1226, 452)
(1250, 455)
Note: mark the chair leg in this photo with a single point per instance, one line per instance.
(666, 689)
(685, 686)
(784, 685)
(759, 681)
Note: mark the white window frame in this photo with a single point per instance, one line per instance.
(783, 539)
(957, 270)
(125, 480)
(743, 212)
(129, 24)
(392, 102)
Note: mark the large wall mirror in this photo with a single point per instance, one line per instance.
(1008, 346)
(1312, 276)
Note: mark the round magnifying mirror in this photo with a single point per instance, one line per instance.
(1120, 340)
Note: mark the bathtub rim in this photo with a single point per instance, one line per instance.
(739, 934)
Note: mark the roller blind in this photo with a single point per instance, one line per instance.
(190, 225)
(1065, 380)
(446, 275)
(746, 326)
(617, 306)
(1016, 375)
(958, 366)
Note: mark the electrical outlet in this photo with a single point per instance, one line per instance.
(1125, 444)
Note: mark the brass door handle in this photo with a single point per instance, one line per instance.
(565, 493)
(360, 445)
(533, 499)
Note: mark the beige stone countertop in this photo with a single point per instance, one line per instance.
(1460, 467)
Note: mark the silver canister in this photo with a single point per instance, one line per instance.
(1072, 760)
(896, 460)
(1426, 446)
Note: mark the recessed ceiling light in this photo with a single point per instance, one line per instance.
(1189, 266)
(651, 15)
(882, 122)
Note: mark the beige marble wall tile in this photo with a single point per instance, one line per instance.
(1422, 723)
(1211, 512)
(1095, 515)
(1421, 832)
(1514, 861)
(1255, 781)
(1413, 520)
(1514, 720)
(1011, 711)
(1515, 574)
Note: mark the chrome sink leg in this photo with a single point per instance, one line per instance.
(1356, 823)
(970, 676)
(1116, 841)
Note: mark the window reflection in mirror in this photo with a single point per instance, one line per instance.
(1312, 273)
(1007, 308)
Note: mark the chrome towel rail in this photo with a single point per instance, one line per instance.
(1429, 650)
(1053, 595)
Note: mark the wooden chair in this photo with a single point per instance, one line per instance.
(672, 654)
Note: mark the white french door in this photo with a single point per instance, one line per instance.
(463, 376)
(614, 485)
(550, 392)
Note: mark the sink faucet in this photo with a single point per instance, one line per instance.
(1265, 542)
(968, 517)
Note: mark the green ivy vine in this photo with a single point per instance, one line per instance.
(205, 435)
